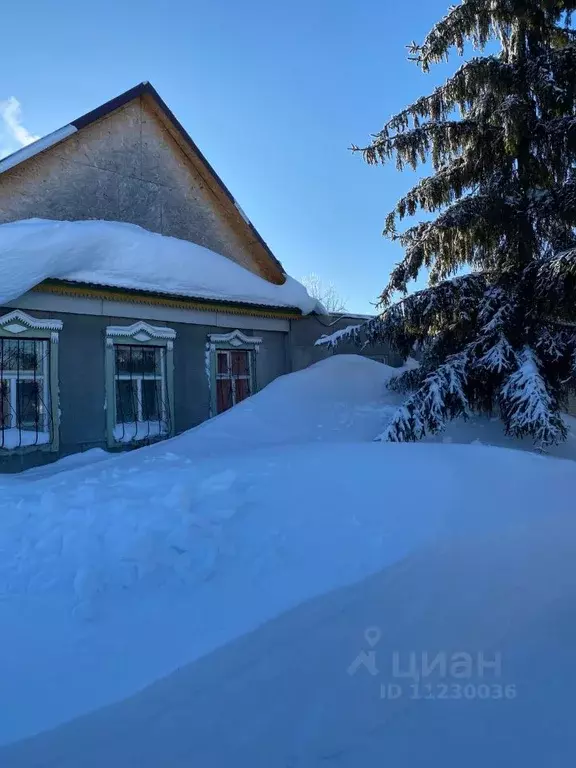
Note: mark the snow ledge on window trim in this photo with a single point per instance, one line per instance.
(18, 321)
(139, 331)
(234, 338)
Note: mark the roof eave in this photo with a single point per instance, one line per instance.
(74, 287)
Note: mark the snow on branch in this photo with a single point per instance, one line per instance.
(499, 357)
(440, 398)
(552, 345)
(350, 333)
(408, 380)
(528, 408)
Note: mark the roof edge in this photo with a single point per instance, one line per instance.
(40, 145)
(147, 89)
(60, 285)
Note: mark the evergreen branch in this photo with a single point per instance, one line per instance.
(552, 344)
(555, 285)
(417, 319)
(472, 19)
(409, 380)
(499, 357)
(464, 174)
(350, 333)
(528, 408)
(466, 233)
(472, 79)
(443, 140)
(548, 74)
(441, 397)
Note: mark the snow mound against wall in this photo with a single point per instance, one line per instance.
(127, 256)
(342, 398)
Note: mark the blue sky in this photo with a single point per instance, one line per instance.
(274, 94)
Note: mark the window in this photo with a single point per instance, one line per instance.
(28, 382)
(231, 371)
(233, 377)
(139, 383)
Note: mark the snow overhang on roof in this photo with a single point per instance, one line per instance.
(120, 255)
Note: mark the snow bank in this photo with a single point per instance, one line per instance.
(116, 573)
(305, 691)
(342, 398)
(127, 256)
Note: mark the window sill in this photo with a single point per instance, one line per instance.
(21, 449)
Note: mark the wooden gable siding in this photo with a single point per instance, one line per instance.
(129, 167)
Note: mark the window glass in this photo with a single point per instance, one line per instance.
(137, 360)
(142, 407)
(151, 399)
(23, 355)
(223, 395)
(240, 365)
(5, 404)
(233, 377)
(29, 410)
(126, 399)
(25, 410)
(222, 362)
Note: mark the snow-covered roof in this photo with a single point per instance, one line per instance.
(36, 147)
(121, 255)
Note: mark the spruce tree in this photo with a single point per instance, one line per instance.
(496, 328)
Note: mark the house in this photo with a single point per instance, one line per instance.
(136, 298)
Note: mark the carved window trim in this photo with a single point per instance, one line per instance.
(235, 340)
(18, 325)
(138, 335)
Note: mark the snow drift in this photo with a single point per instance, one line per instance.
(127, 256)
(293, 694)
(114, 574)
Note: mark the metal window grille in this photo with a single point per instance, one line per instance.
(233, 377)
(25, 412)
(142, 404)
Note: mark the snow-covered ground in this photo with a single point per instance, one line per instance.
(115, 573)
(297, 692)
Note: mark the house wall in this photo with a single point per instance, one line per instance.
(82, 378)
(128, 167)
(305, 331)
(287, 345)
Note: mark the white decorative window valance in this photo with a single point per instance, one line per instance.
(234, 339)
(17, 322)
(139, 331)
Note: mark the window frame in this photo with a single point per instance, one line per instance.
(19, 326)
(139, 334)
(235, 341)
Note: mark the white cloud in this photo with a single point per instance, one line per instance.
(13, 135)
